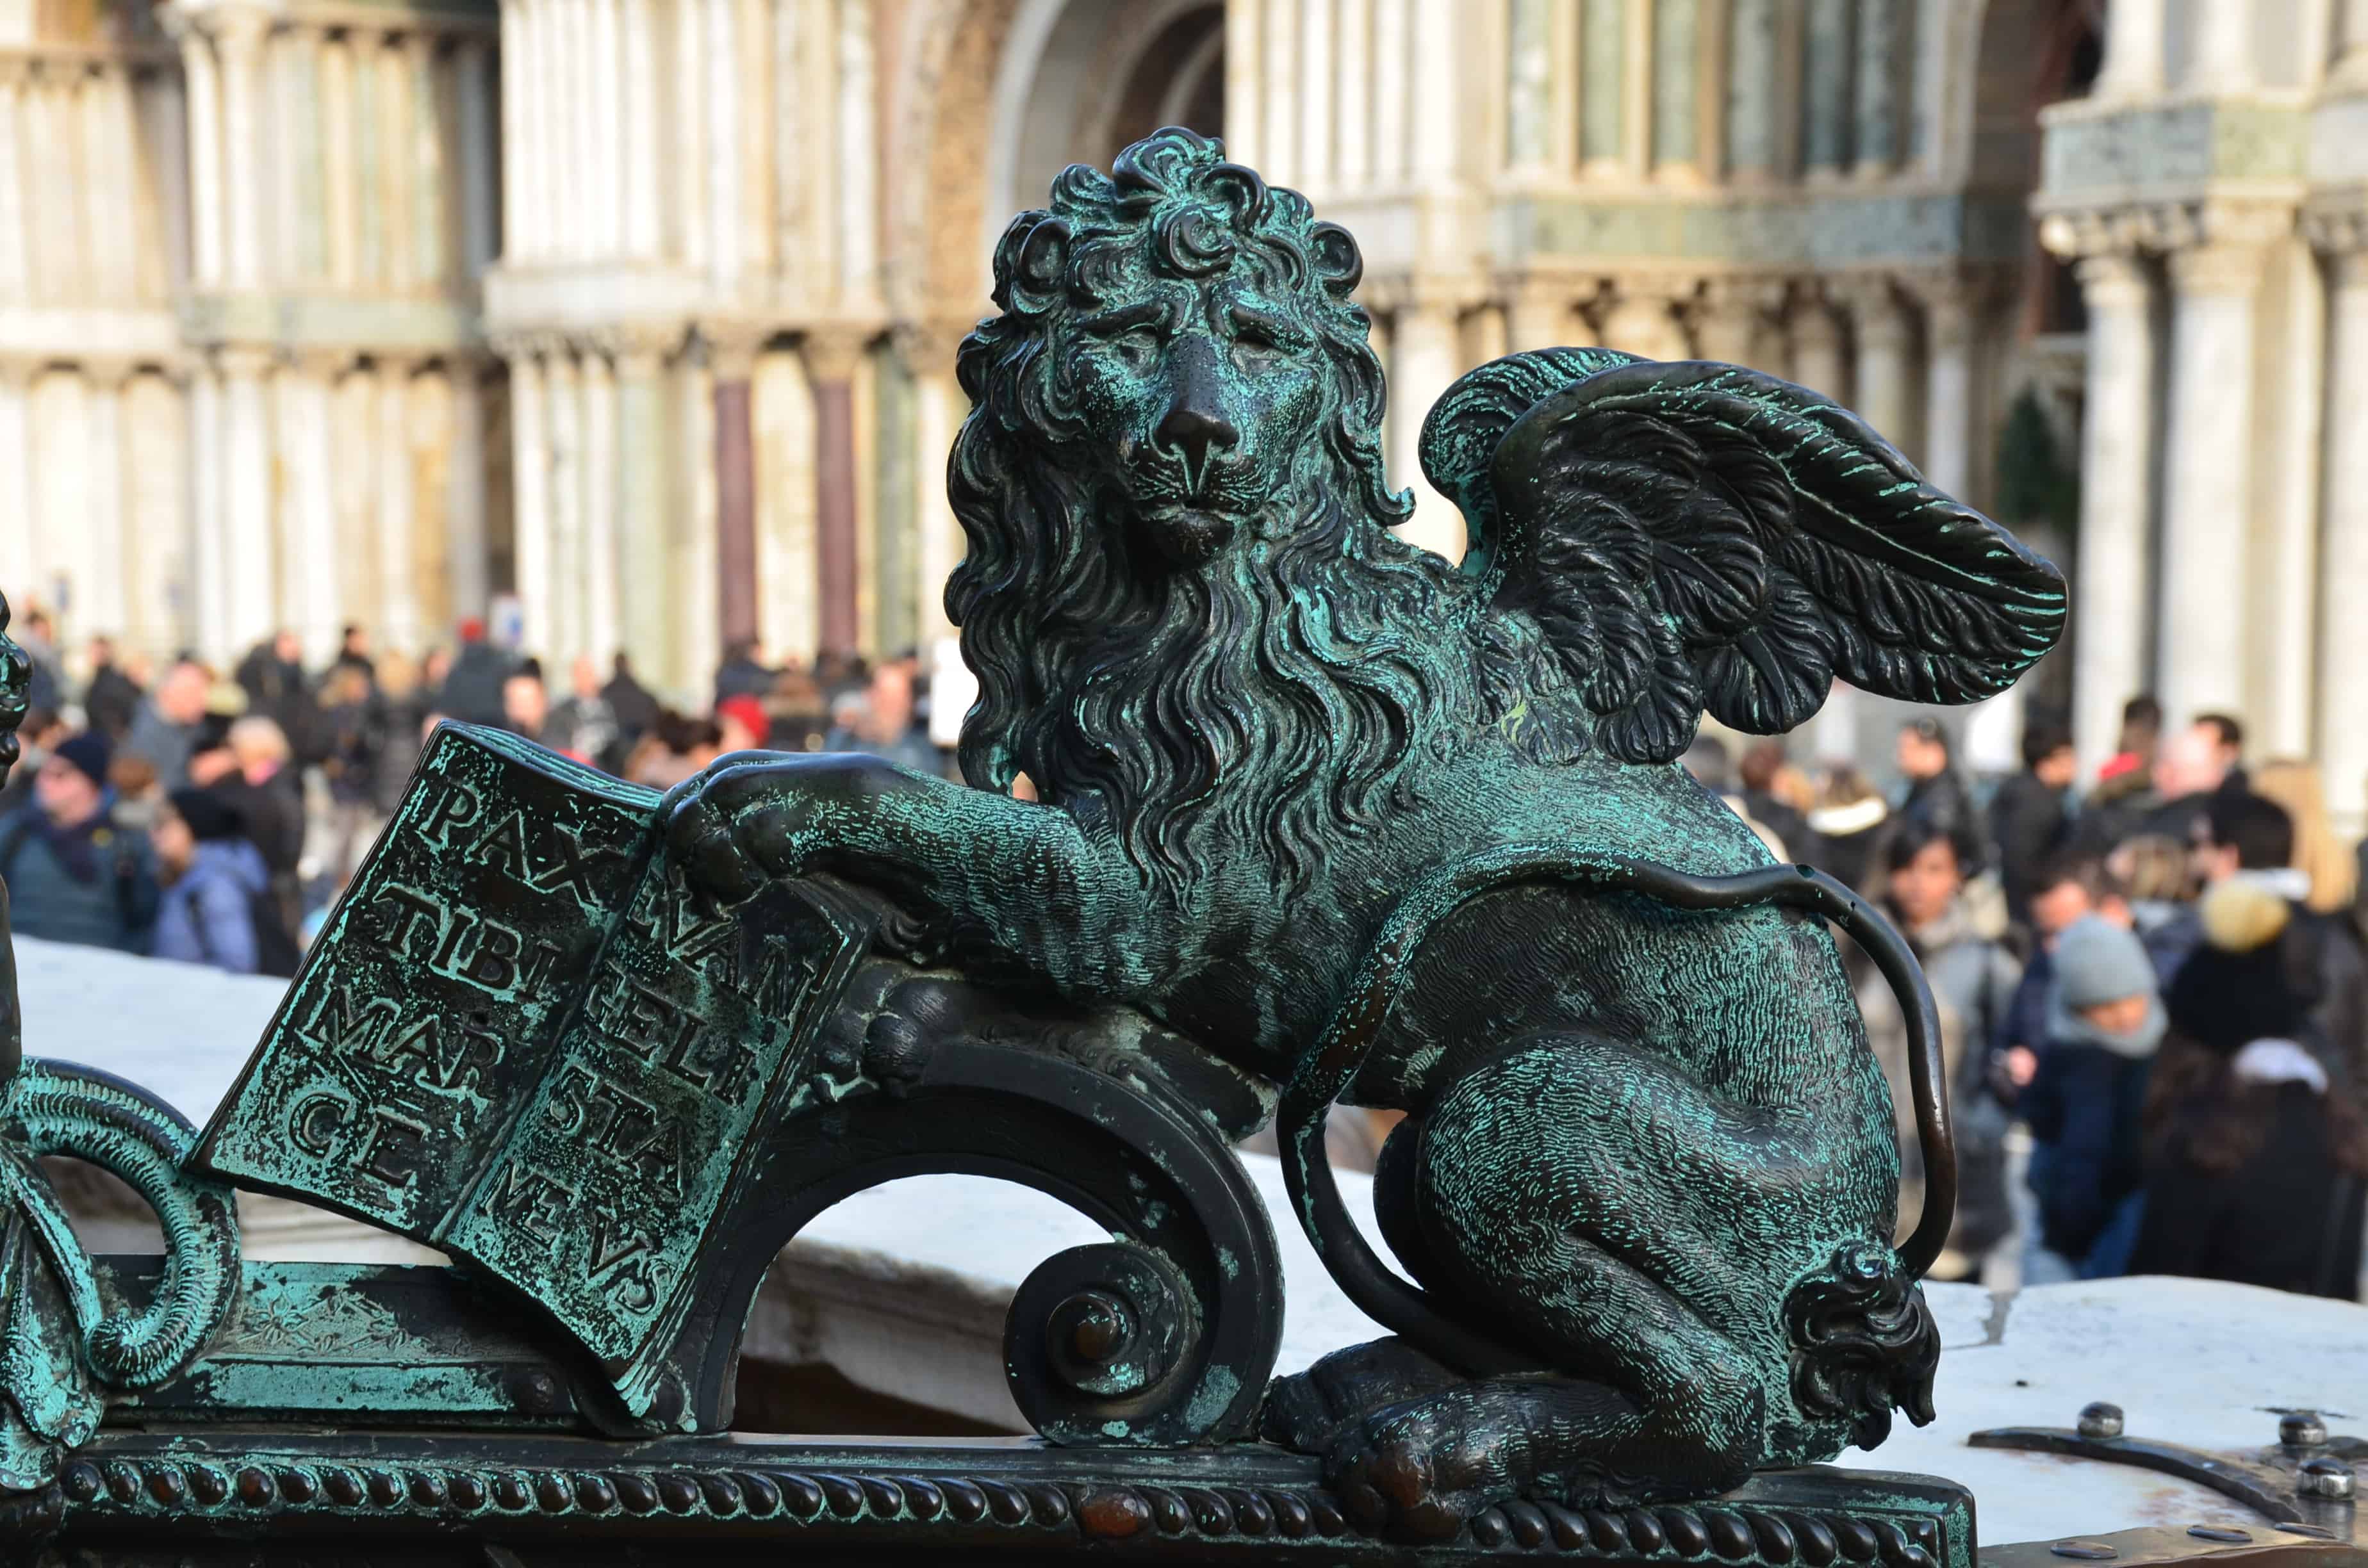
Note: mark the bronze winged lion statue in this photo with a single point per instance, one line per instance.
(1339, 815)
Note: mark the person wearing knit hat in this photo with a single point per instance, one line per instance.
(2255, 1151)
(74, 873)
(2084, 1103)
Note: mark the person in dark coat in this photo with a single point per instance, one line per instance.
(1936, 792)
(2086, 1101)
(741, 674)
(472, 692)
(73, 873)
(2254, 1162)
(630, 702)
(113, 697)
(208, 915)
(273, 677)
(2029, 820)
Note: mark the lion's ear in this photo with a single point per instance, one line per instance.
(1037, 265)
(1338, 261)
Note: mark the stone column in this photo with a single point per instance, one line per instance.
(601, 617)
(16, 196)
(247, 157)
(733, 359)
(398, 581)
(938, 409)
(831, 357)
(645, 143)
(1422, 365)
(2208, 473)
(2134, 57)
(529, 494)
(1531, 142)
(1882, 336)
(1818, 345)
(2350, 70)
(1539, 316)
(2220, 56)
(340, 168)
(16, 468)
(203, 78)
(562, 374)
(1642, 317)
(310, 604)
(646, 607)
(209, 544)
(247, 564)
(519, 129)
(99, 601)
(478, 219)
(1753, 99)
(2341, 721)
(1950, 322)
(465, 543)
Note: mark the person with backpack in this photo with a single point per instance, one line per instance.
(217, 907)
(75, 874)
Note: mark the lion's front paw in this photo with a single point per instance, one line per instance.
(1423, 1468)
(745, 820)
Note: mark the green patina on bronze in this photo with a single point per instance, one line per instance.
(1319, 816)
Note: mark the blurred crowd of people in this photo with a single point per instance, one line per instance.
(2155, 989)
(186, 815)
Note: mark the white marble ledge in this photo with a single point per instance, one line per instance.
(902, 1289)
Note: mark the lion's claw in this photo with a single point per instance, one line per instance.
(1404, 1472)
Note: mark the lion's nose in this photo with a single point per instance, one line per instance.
(1195, 433)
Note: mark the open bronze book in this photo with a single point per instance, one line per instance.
(522, 1041)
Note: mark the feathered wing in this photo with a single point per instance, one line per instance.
(1690, 537)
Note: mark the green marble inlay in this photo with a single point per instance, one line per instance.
(2175, 145)
(1529, 91)
(1827, 97)
(894, 549)
(1841, 230)
(1677, 32)
(1883, 26)
(1603, 78)
(1751, 85)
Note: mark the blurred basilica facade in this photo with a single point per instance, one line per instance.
(644, 311)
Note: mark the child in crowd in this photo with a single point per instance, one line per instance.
(2085, 1103)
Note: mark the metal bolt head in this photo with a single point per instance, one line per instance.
(2085, 1551)
(2101, 1420)
(2325, 1478)
(2302, 1429)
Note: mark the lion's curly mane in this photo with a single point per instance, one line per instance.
(1272, 695)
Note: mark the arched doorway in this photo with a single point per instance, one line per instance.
(1080, 79)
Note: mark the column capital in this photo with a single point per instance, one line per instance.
(733, 346)
(1875, 306)
(2114, 280)
(2222, 267)
(237, 29)
(2337, 230)
(928, 346)
(244, 362)
(2072, 233)
(833, 351)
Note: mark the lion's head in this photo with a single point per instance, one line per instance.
(1183, 599)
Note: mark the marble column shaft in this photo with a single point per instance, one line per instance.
(1829, 94)
(2208, 470)
(938, 407)
(398, 579)
(531, 498)
(1882, 338)
(465, 540)
(2112, 594)
(247, 563)
(1949, 409)
(643, 514)
(2134, 49)
(2220, 55)
(16, 474)
(2350, 63)
(599, 478)
(736, 495)
(2342, 717)
(1818, 344)
(830, 366)
(1885, 27)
